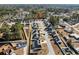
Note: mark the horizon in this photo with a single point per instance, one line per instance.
(40, 5)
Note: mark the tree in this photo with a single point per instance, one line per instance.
(5, 27)
(67, 19)
(69, 41)
(54, 20)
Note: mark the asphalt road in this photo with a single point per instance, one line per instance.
(50, 48)
(17, 41)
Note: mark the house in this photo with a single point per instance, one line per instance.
(68, 29)
(36, 45)
(76, 36)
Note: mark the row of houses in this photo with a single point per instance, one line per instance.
(35, 38)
